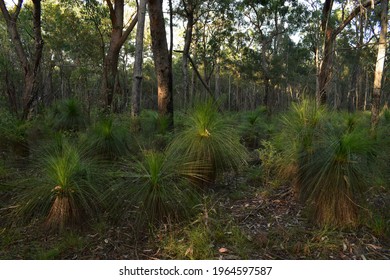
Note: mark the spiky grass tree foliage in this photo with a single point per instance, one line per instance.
(209, 138)
(253, 127)
(301, 128)
(156, 188)
(329, 156)
(334, 180)
(68, 115)
(64, 189)
(108, 139)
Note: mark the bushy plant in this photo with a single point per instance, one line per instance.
(270, 162)
(108, 139)
(153, 133)
(68, 115)
(253, 128)
(328, 156)
(209, 138)
(64, 189)
(12, 134)
(301, 128)
(157, 188)
(334, 180)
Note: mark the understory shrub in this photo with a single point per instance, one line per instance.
(155, 189)
(207, 137)
(64, 188)
(329, 157)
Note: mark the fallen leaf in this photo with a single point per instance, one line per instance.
(344, 247)
(374, 247)
(189, 251)
(223, 250)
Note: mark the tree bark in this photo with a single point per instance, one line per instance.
(330, 33)
(189, 10)
(30, 65)
(161, 60)
(110, 81)
(380, 61)
(137, 76)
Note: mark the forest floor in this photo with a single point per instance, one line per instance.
(246, 221)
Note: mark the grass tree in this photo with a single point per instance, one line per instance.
(301, 127)
(68, 115)
(333, 182)
(157, 188)
(330, 155)
(207, 137)
(64, 190)
(108, 139)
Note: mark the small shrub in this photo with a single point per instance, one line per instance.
(270, 162)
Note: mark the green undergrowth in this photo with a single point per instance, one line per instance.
(213, 235)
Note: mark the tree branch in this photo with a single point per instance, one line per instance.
(129, 29)
(353, 14)
(112, 11)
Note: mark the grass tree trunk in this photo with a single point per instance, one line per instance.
(161, 60)
(139, 45)
(30, 65)
(380, 61)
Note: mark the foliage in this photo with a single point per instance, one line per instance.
(153, 130)
(157, 188)
(270, 162)
(207, 137)
(329, 157)
(334, 181)
(202, 239)
(68, 115)
(65, 189)
(253, 128)
(12, 131)
(301, 127)
(108, 139)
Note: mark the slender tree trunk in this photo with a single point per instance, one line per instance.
(380, 61)
(189, 9)
(30, 65)
(367, 88)
(161, 60)
(330, 33)
(110, 80)
(139, 45)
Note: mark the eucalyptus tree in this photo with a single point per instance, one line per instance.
(119, 34)
(137, 73)
(161, 58)
(330, 32)
(73, 52)
(29, 62)
(190, 11)
(380, 61)
(271, 22)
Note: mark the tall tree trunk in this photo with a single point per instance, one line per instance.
(330, 33)
(161, 60)
(189, 10)
(380, 61)
(30, 65)
(110, 80)
(139, 45)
